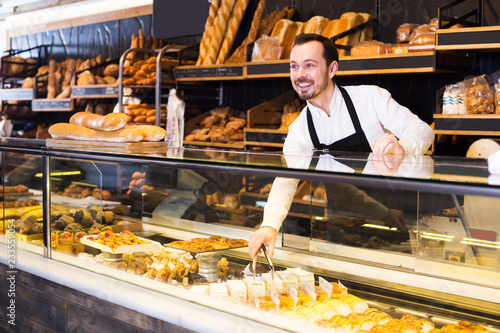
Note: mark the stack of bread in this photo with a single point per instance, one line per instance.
(222, 125)
(286, 30)
(143, 113)
(139, 41)
(109, 128)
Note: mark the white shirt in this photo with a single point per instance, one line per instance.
(378, 113)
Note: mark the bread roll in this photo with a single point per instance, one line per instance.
(351, 20)
(315, 25)
(111, 70)
(152, 133)
(205, 40)
(110, 122)
(233, 26)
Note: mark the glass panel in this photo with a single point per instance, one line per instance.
(461, 234)
(21, 200)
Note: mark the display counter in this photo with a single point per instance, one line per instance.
(149, 220)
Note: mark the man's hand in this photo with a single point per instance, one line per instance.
(387, 144)
(266, 235)
(395, 218)
(387, 164)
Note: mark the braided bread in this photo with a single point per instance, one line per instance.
(205, 40)
(220, 25)
(233, 26)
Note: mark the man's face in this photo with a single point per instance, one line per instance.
(308, 71)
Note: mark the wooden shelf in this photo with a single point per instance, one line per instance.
(470, 124)
(238, 145)
(265, 137)
(476, 38)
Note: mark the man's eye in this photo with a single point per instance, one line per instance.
(292, 68)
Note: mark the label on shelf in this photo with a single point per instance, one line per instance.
(209, 72)
(105, 91)
(16, 94)
(51, 105)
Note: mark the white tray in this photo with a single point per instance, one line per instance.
(152, 246)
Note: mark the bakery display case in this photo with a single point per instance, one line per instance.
(413, 237)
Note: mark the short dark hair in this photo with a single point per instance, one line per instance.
(330, 52)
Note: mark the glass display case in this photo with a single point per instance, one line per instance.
(409, 235)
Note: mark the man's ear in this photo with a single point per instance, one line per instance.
(332, 70)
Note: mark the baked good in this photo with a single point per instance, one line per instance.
(219, 28)
(233, 25)
(370, 48)
(423, 42)
(51, 85)
(286, 30)
(268, 22)
(404, 32)
(240, 55)
(347, 21)
(366, 33)
(205, 40)
(76, 132)
(110, 122)
(331, 28)
(111, 70)
(315, 25)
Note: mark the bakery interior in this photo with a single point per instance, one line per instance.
(146, 227)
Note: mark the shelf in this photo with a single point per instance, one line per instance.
(95, 91)
(472, 124)
(265, 137)
(476, 38)
(16, 94)
(412, 62)
(62, 104)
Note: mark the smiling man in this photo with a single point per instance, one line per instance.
(352, 118)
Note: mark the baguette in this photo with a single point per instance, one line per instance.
(126, 134)
(239, 9)
(240, 55)
(268, 22)
(205, 40)
(110, 122)
(220, 25)
(51, 84)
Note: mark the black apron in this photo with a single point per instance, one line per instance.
(354, 142)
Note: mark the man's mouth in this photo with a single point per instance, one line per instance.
(304, 85)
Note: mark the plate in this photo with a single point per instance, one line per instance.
(152, 246)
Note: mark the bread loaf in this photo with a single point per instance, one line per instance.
(332, 28)
(207, 34)
(239, 9)
(351, 20)
(240, 54)
(366, 33)
(220, 25)
(268, 22)
(126, 134)
(369, 48)
(286, 30)
(315, 25)
(110, 122)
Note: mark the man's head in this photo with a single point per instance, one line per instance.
(313, 65)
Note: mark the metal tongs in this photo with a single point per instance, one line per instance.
(269, 261)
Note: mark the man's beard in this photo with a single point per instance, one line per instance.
(316, 90)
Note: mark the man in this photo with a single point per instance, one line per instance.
(354, 118)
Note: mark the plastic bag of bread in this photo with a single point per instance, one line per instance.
(453, 102)
(479, 97)
(423, 42)
(421, 29)
(404, 32)
(369, 48)
(434, 24)
(266, 48)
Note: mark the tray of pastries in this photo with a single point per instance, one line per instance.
(214, 243)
